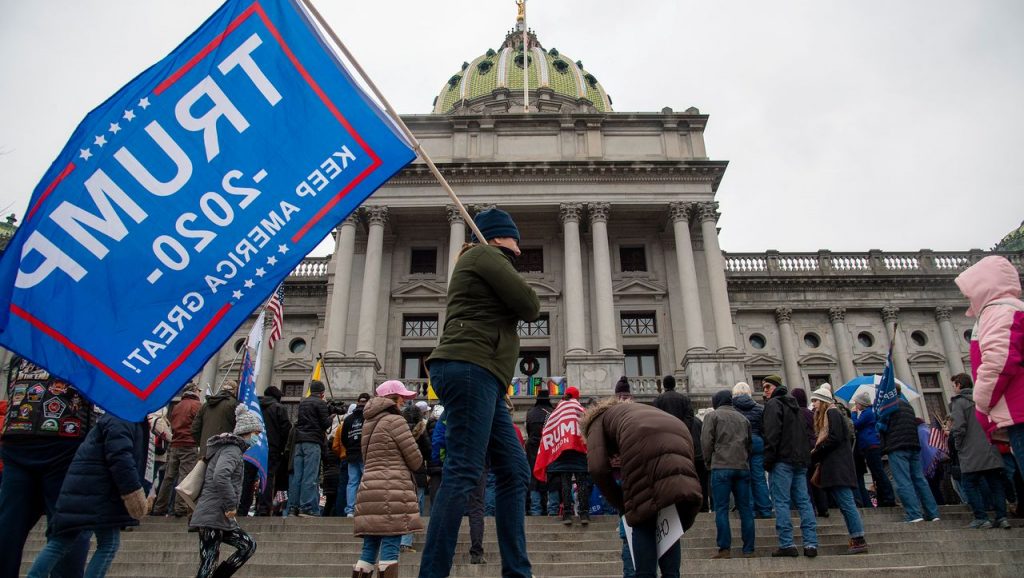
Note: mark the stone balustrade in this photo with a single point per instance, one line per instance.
(311, 268)
(924, 262)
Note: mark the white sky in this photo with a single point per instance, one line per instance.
(848, 125)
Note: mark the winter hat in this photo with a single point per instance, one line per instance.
(741, 388)
(229, 386)
(316, 387)
(246, 421)
(424, 406)
(572, 392)
(273, 392)
(543, 393)
(773, 379)
(494, 223)
(863, 397)
(622, 386)
(191, 389)
(668, 382)
(823, 393)
(363, 398)
(722, 397)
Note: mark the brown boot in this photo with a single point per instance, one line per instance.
(388, 571)
(857, 546)
(362, 570)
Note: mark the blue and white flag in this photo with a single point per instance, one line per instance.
(185, 199)
(257, 455)
(887, 397)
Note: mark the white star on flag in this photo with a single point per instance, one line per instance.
(100, 141)
(271, 260)
(260, 271)
(282, 249)
(114, 128)
(237, 294)
(129, 115)
(85, 154)
(144, 103)
(249, 284)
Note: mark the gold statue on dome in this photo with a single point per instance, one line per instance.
(522, 10)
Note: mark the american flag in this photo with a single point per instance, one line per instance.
(276, 308)
(937, 437)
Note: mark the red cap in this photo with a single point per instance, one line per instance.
(572, 392)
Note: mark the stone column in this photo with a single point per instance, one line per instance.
(209, 375)
(456, 236)
(716, 276)
(377, 218)
(787, 339)
(950, 342)
(837, 315)
(606, 334)
(572, 297)
(901, 365)
(693, 320)
(344, 252)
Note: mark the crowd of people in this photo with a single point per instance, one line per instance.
(388, 459)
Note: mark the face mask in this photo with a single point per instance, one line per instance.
(251, 440)
(511, 256)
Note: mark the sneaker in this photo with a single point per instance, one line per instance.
(306, 515)
(722, 555)
(915, 520)
(811, 552)
(1003, 523)
(403, 549)
(790, 552)
(567, 519)
(585, 519)
(749, 555)
(979, 525)
(935, 519)
(477, 559)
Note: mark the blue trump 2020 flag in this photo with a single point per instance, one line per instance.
(887, 397)
(185, 199)
(258, 454)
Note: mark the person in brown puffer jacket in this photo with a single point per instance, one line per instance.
(386, 503)
(655, 453)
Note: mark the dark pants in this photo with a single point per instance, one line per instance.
(33, 475)
(645, 553)
(342, 499)
(209, 551)
(475, 511)
(993, 482)
(884, 492)
(583, 487)
(251, 486)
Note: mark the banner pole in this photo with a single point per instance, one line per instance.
(397, 119)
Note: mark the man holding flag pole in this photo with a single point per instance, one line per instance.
(897, 424)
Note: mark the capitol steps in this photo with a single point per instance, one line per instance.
(315, 547)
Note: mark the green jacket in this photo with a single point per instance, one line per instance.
(486, 298)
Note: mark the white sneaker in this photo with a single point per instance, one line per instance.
(915, 521)
(935, 519)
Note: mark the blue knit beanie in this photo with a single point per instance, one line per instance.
(495, 223)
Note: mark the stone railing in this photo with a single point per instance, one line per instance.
(771, 263)
(311, 268)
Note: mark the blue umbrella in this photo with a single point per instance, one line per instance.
(870, 383)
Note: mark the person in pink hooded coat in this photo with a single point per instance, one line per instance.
(992, 286)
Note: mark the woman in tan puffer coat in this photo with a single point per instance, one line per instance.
(386, 502)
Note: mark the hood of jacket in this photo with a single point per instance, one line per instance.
(744, 402)
(987, 280)
(220, 441)
(595, 412)
(265, 402)
(214, 400)
(378, 406)
(966, 393)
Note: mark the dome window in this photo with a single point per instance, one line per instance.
(553, 52)
(561, 66)
(484, 66)
(579, 64)
(591, 80)
(454, 81)
(519, 60)
(465, 65)
(490, 52)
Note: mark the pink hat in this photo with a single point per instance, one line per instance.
(394, 387)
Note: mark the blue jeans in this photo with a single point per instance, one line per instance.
(761, 499)
(627, 557)
(911, 486)
(789, 482)
(536, 505)
(972, 486)
(645, 553)
(883, 489)
(33, 475)
(108, 540)
(386, 546)
(420, 494)
(489, 494)
(736, 483)
(844, 499)
(479, 426)
(303, 494)
(355, 475)
(1016, 433)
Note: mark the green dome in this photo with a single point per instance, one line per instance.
(1013, 241)
(491, 76)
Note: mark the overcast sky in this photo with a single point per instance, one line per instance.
(848, 125)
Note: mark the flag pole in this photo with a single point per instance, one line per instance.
(397, 119)
(327, 380)
(526, 63)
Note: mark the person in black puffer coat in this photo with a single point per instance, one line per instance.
(102, 493)
(901, 442)
(754, 412)
(539, 491)
(680, 405)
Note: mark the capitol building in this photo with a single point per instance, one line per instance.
(618, 218)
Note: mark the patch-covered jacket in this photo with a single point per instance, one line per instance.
(40, 406)
(992, 286)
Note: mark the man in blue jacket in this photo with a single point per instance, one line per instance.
(869, 445)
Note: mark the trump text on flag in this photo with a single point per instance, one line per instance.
(185, 199)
